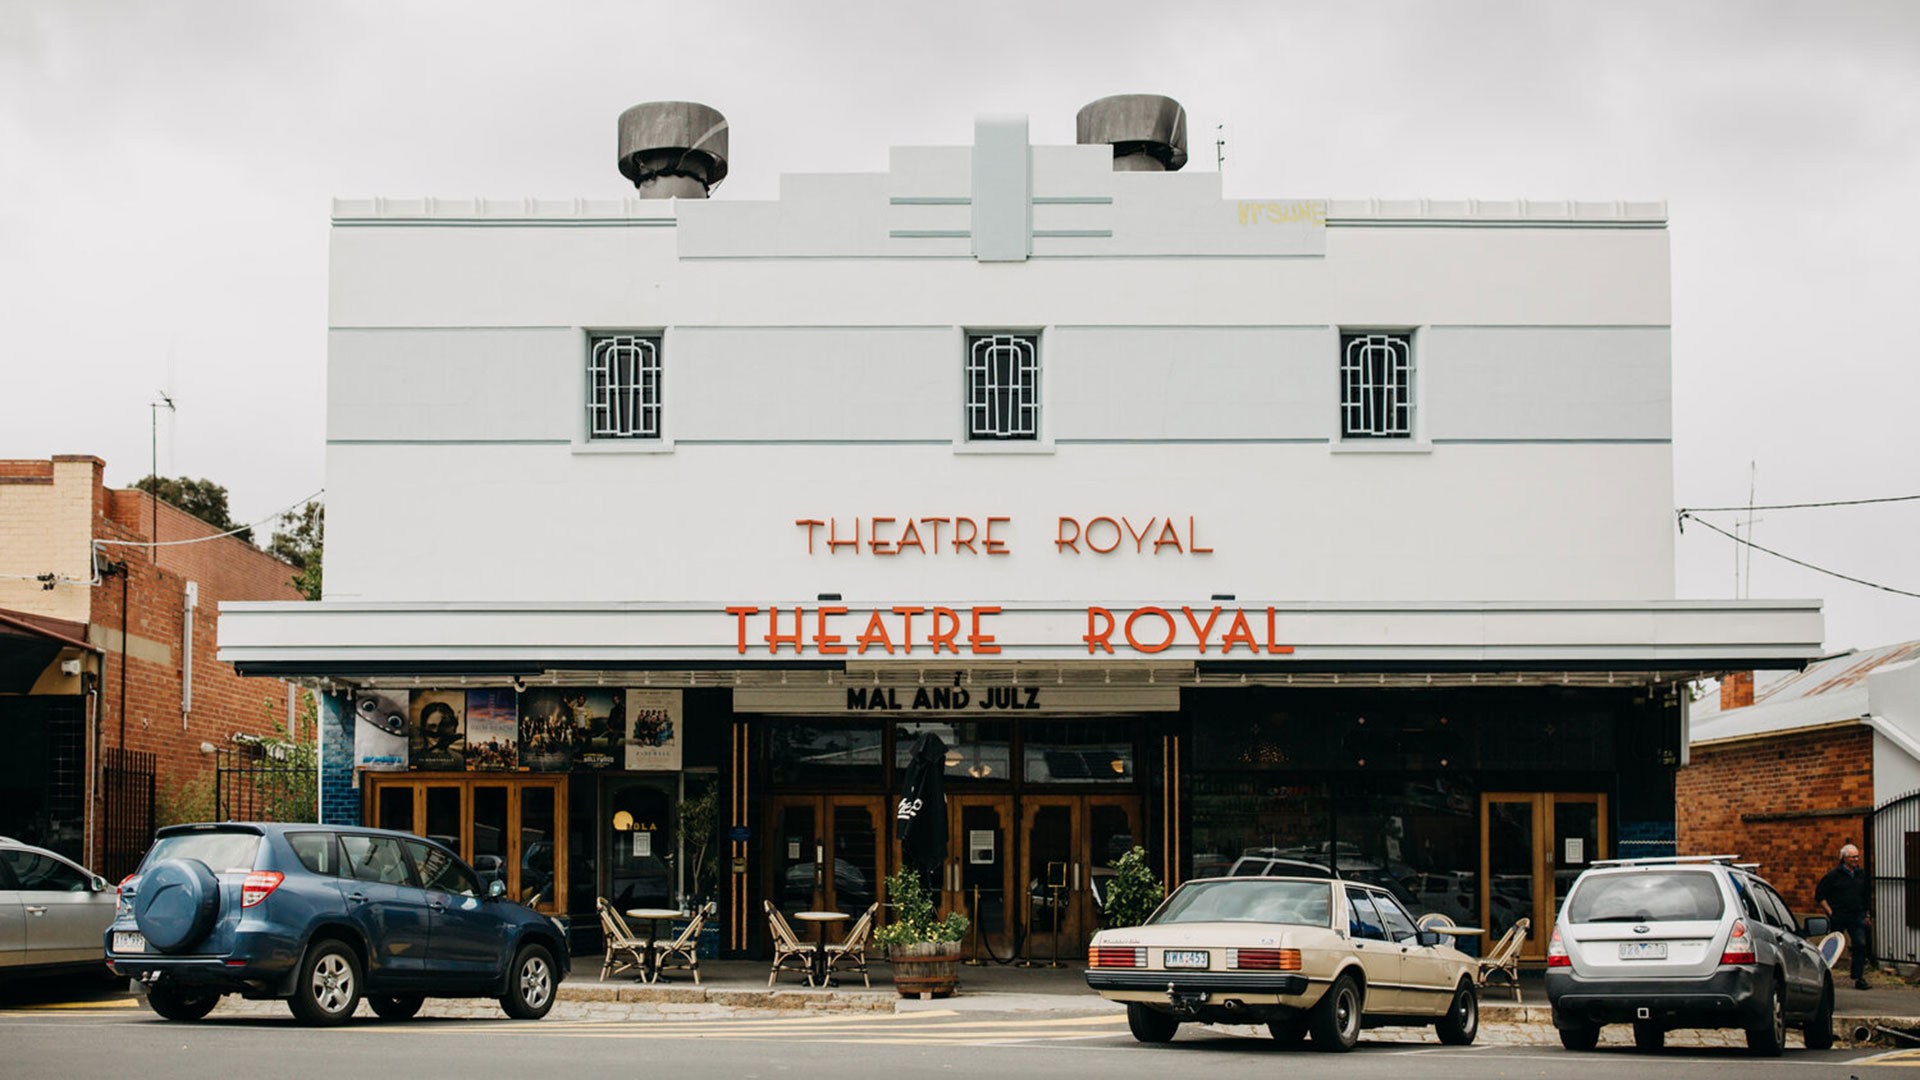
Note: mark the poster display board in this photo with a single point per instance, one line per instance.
(653, 735)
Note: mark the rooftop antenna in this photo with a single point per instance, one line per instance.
(153, 473)
(1219, 147)
(1743, 551)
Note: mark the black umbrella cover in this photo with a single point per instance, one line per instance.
(921, 823)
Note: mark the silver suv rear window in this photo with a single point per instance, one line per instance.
(223, 852)
(1647, 896)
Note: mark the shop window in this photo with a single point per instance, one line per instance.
(1078, 752)
(623, 387)
(825, 755)
(1376, 386)
(976, 750)
(1003, 387)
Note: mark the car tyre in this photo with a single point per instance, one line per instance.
(1336, 1017)
(1770, 1038)
(530, 984)
(1288, 1032)
(328, 986)
(1648, 1037)
(1819, 1028)
(1150, 1025)
(1580, 1038)
(396, 1006)
(1462, 1023)
(175, 1004)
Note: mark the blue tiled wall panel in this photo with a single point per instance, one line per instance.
(339, 799)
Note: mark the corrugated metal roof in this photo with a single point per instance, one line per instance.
(1829, 691)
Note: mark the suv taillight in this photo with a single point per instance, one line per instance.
(258, 885)
(1557, 951)
(1739, 945)
(121, 906)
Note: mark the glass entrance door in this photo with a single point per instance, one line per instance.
(1532, 846)
(1068, 842)
(825, 853)
(508, 831)
(979, 880)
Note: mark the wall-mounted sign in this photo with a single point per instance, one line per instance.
(980, 846)
(978, 700)
(836, 630)
(380, 730)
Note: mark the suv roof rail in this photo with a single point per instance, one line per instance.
(1655, 860)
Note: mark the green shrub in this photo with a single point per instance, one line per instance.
(913, 920)
(1134, 892)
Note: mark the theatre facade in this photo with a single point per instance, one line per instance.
(660, 527)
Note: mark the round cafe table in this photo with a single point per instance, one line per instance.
(821, 919)
(649, 964)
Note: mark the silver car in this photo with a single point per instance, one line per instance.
(53, 912)
(1688, 942)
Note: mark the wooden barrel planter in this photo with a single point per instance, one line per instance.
(929, 969)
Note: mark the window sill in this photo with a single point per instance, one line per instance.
(1003, 446)
(1379, 446)
(623, 446)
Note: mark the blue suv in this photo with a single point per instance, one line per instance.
(319, 916)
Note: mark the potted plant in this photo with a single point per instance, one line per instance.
(1133, 893)
(922, 947)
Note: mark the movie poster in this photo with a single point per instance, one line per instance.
(603, 718)
(653, 729)
(380, 730)
(438, 730)
(493, 730)
(550, 729)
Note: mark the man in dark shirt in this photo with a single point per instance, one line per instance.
(1842, 894)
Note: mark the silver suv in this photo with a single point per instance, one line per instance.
(1688, 942)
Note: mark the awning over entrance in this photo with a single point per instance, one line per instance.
(1220, 641)
(28, 643)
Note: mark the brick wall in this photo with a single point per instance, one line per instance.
(1786, 802)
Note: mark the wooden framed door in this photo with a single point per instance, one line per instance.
(1532, 846)
(508, 830)
(979, 877)
(827, 852)
(1052, 873)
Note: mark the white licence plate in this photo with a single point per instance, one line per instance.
(1643, 950)
(128, 941)
(1184, 958)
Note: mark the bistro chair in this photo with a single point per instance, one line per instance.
(851, 954)
(1439, 922)
(684, 950)
(625, 951)
(1503, 960)
(787, 947)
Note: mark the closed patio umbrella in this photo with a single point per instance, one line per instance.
(921, 821)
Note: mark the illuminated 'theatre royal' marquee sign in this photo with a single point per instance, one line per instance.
(897, 630)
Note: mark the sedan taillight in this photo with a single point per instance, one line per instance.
(1116, 956)
(258, 885)
(1263, 959)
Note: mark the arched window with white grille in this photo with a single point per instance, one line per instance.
(1003, 386)
(623, 388)
(1376, 386)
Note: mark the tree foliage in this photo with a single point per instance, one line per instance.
(203, 499)
(299, 537)
(1134, 892)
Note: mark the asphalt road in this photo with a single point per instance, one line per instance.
(90, 1029)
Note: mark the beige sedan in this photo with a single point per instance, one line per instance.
(1301, 955)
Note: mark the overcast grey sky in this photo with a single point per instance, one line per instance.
(165, 171)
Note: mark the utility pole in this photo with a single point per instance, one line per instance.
(153, 469)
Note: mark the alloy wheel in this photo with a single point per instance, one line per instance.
(333, 983)
(536, 981)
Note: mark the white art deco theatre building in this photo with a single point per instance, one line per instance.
(1336, 528)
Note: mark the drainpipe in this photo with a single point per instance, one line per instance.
(186, 652)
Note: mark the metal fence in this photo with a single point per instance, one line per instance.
(127, 776)
(266, 782)
(1896, 879)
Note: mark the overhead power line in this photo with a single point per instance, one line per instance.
(1687, 510)
(1685, 514)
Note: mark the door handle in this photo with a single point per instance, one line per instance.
(437, 905)
(36, 911)
(1076, 877)
(357, 897)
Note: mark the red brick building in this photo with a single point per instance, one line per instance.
(107, 643)
(1785, 775)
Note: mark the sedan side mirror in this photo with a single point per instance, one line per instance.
(1815, 926)
(496, 889)
(99, 883)
(1431, 937)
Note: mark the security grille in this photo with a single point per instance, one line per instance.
(1376, 386)
(1003, 387)
(623, 391)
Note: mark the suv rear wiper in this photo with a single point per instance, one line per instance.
(1642, 917)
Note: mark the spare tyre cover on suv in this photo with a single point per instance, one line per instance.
(177, 904)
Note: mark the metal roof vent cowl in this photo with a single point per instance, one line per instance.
(673, 149)
(1148, 132)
